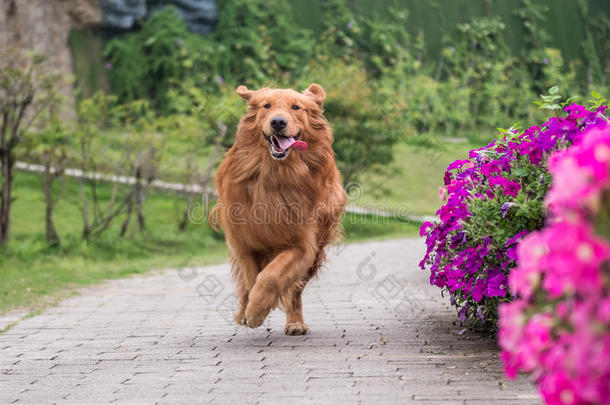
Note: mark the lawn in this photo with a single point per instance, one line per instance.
(34, 275)
(413, 179)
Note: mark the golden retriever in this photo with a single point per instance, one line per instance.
(280, 200)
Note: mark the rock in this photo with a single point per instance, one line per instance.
(43, 26)
(200, 16)
(122, 14)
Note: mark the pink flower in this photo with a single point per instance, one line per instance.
(574, 259)
(526, 276)
(510, 335)
(537, 334)
(558, 329)
(557, 388)
(570, 182)
(580, 173)
(442, 194)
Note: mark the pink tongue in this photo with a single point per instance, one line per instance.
(299, 145)
(289, 142)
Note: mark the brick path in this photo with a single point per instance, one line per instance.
(380, 334)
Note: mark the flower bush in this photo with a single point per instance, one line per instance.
(559, 327)
(494, 198)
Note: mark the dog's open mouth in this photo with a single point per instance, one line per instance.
(280, 145)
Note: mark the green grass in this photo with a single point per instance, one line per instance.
(34, 275)
(414, 180)
(370, 227)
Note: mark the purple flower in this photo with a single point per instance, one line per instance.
(545, 61)
(541, 179)
(505, 207)
(460, 254)
(349, 25)
(510, 187)
(496, 285)
(447, 178)
(107, 65)
(490, 168)
(516, 238)
(219, 79)
(478, 290)
(458, 164)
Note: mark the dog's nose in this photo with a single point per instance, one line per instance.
(278, 123)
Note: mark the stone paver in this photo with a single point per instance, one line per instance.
(380, 334)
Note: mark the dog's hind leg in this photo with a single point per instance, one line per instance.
(287, 268)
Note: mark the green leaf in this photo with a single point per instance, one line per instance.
(553, 90)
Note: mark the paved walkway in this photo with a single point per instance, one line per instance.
(380, 334)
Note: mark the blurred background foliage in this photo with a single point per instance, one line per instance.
(411, 86)
(490, 55)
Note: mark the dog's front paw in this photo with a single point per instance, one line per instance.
(240, 317)
(256, 316)
(296, 328)
(261, 303)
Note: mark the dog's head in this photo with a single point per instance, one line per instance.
(282, 119)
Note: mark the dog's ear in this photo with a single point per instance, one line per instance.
(244, 92)
(316, 92)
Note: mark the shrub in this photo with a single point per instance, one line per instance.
(258, 40)
(145, 64)
(494, 198)
(559, 327)
(381, 45)
(366, 120)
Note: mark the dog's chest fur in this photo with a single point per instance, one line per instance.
(268, 213)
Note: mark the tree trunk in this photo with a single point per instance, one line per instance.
(184, 221)
(221, 131)
(125, 224)
(47, 186)
(185, 215)
(83, 192)
(139, 196)
(5, 198)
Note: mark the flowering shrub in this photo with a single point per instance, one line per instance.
(559, 327)
(494, 198)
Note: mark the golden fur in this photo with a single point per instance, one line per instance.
(278, 215)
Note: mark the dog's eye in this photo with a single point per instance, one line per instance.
(295, 107)
(267, 105)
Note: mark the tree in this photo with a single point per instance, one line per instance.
(27, 87)
(367, 118)
(260, 40)
(140, 158)
(201, 122)
(51, 146)
(94, 114)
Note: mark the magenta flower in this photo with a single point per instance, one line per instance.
(511, 188)
(493, 199)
